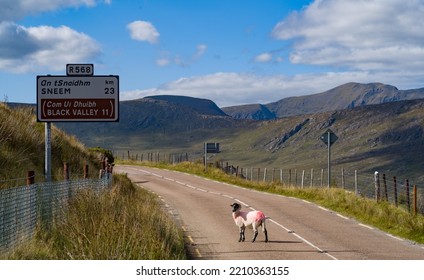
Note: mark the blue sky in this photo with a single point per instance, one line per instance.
(230, 51)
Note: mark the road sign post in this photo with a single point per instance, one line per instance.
(211, 148)
(77, 97)
(329, 138)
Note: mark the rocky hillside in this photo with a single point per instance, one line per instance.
(346, 96)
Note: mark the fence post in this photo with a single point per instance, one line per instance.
(30, 177)
(265, 175)
(356, 182)
(415, 200)
(343, 179)
(289, 177)
(408, 199)
(395, 190)
(303, 178)
(312, 177)
(322, 177)
(386, 196)
(85, 171)
(281, 176)
(377, 186)
(273, 174)
(259, 173)
(66, 171)
(295, 177)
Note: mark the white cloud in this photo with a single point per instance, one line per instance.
(377, 35)
(162, 62)
(227, 89)
(25, 49)
(143, 31)
(16, 9)
(263, 57)
(200, 51)
(179, 60)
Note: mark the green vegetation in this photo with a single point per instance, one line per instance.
(381, 215)
(22, 148)
(121, 224)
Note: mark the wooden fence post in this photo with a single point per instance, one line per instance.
(377, 186)
(395, 190)
(264, 175)
(30, 177)
(386, 196)
(295, 177)
(281, 176)
(343, 179)
(303, 178)
(415, 200)
(66, 171)
(259, 171)
(408, 199)
(85, 171)
(322, 177)
(356, 182)
(312, 177)
(289, 177)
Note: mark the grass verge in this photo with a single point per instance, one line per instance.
(382, 215)
(123, 223)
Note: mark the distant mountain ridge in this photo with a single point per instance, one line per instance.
(345, 96)
(199, 105)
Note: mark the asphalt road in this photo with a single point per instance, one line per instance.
(297, 229)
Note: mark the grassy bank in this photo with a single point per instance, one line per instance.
(381, 215)
(121, 224)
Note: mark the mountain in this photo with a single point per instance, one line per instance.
(150, 121)
(250, 111)
(384, 137)
(201, 106)
(346, 96)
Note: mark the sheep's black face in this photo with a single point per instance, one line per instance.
(235, 206)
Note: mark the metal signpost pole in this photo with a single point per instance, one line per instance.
(329, 156)
(206, 157)
(48, 152)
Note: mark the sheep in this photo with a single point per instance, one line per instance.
(252, 219)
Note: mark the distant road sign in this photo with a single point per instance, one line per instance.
(79, 69)
(77, 98)
(212, 148)
(333, 137)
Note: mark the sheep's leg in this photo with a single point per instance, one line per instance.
(265, 231)
(255, 232)
(266, 235)
(255, 235)
(241, 239)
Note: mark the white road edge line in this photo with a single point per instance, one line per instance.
(365, 226)
(343, 217)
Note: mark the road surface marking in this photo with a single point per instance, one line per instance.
(362, 225)
(322, 208)
(343, 217)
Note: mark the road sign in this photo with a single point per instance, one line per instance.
(79, 69)
(77, 98)
(329, 138)
(325, 137)
(212, 148)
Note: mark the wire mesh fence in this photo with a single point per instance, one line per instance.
(22, 208)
